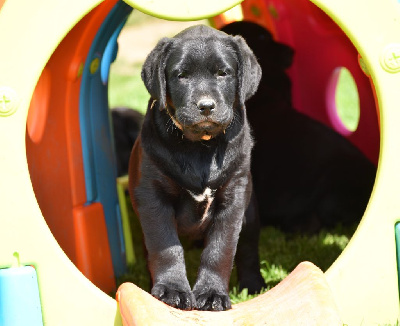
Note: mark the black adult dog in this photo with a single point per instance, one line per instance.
(190, 168)
(126, 123)
(306, 175)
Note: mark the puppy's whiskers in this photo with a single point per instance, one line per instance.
(170, 126)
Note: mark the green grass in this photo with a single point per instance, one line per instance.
(280, 253)
(126, 88)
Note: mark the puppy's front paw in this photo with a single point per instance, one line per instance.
(212, 300)
(174, 296)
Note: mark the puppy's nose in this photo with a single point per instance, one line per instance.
(206, 106)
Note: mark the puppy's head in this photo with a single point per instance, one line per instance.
(200, 77)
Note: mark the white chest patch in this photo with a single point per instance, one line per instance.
(208, 195)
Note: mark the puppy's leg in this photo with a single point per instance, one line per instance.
(165, 256)
(247, 258)
(212, 284)
(211, 287)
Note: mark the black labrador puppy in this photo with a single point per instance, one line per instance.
(190, 167)
(306, 175)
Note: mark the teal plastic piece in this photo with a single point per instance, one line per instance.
(110, 54)
(19, 297)
(397, 236)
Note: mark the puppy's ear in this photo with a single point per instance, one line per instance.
(249, 70)
(153, 71)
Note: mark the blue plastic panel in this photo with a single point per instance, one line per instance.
(19, 297)
(97, 141)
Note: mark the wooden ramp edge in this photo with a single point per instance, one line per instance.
(302, 298)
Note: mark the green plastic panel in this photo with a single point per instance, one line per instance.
(183, 10)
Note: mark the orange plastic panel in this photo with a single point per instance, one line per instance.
(37, 115)
(53, 138)
(94, 256)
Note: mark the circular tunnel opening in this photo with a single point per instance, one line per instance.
(303, 172)
(342, 101)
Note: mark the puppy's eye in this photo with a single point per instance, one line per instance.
(182, 75)
(221, 73)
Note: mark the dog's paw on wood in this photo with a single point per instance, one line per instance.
(174, 296)
(212, 300)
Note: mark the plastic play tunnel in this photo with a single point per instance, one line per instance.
(60, 213)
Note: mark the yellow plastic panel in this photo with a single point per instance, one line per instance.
(183, 9)
(364, 278)
(29, 33)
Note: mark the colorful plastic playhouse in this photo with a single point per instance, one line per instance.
(59, 208)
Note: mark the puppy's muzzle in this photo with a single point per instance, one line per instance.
(206, 106)
(204, 130)
(206, 127)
